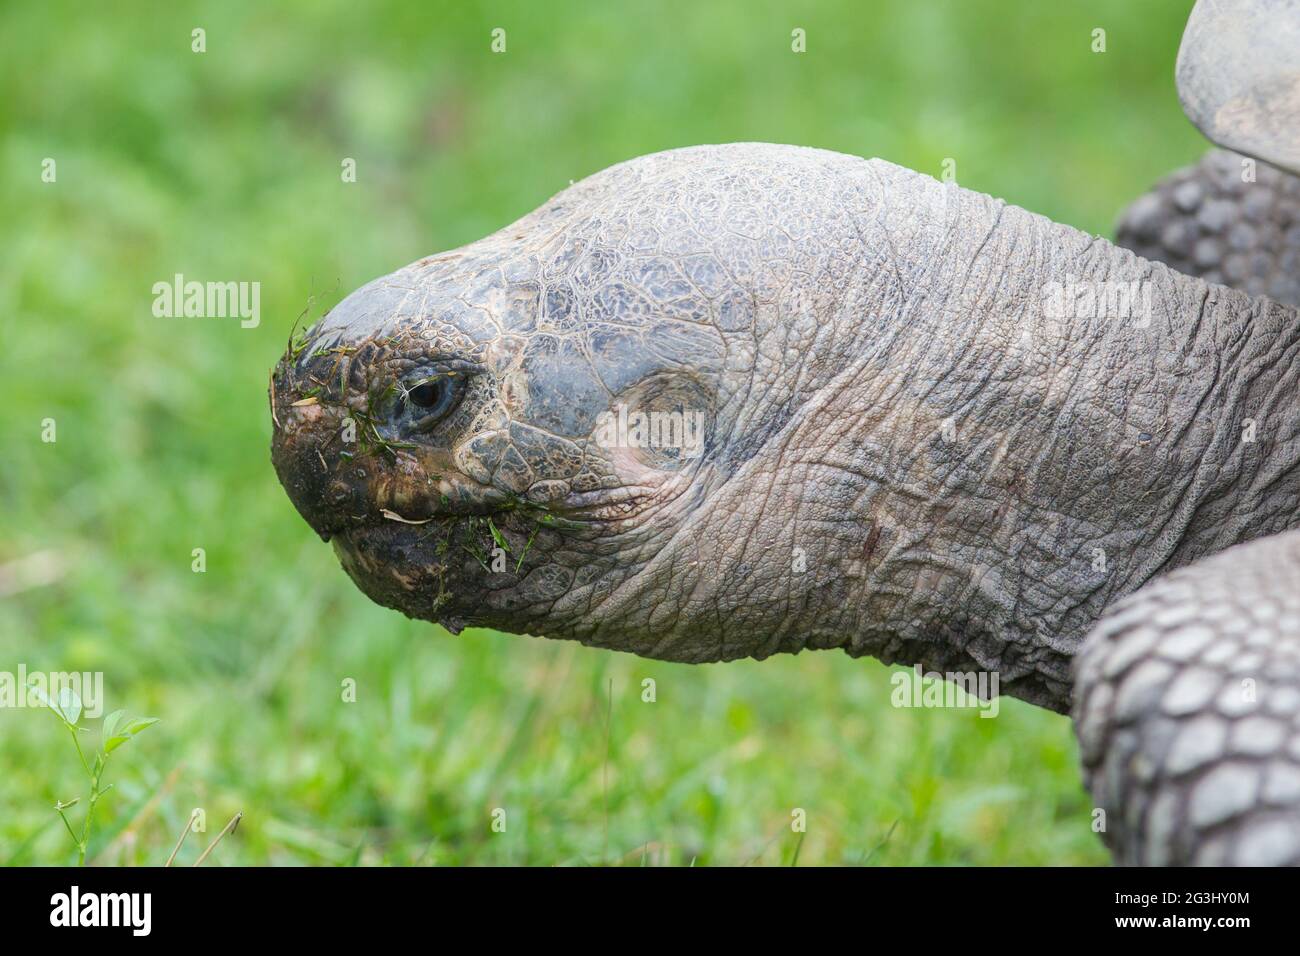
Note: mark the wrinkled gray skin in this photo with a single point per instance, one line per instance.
(909, 455)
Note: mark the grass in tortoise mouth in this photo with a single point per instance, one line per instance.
(442, 545)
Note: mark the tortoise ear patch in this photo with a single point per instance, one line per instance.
(663, 422)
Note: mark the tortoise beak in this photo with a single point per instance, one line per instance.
(328, 497)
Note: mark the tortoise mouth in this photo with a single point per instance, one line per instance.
(455, 569)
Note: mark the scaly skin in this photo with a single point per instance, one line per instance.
(1206, 221)
(907, 454)
(1188, 712)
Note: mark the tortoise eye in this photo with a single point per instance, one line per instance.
(427, 394)
(434, 399)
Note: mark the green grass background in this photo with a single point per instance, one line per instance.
(226, 166)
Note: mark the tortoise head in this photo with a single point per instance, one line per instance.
(502, 434)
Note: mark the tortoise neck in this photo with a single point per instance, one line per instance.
(1052, 422)
(1238, 461)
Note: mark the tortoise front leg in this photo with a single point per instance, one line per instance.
(1187, 709)
(1207, 220)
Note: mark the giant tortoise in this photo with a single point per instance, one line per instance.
(730, 401)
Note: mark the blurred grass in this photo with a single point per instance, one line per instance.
(226, 165)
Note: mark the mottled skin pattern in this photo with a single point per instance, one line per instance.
(1205, 220)
(908, 456)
